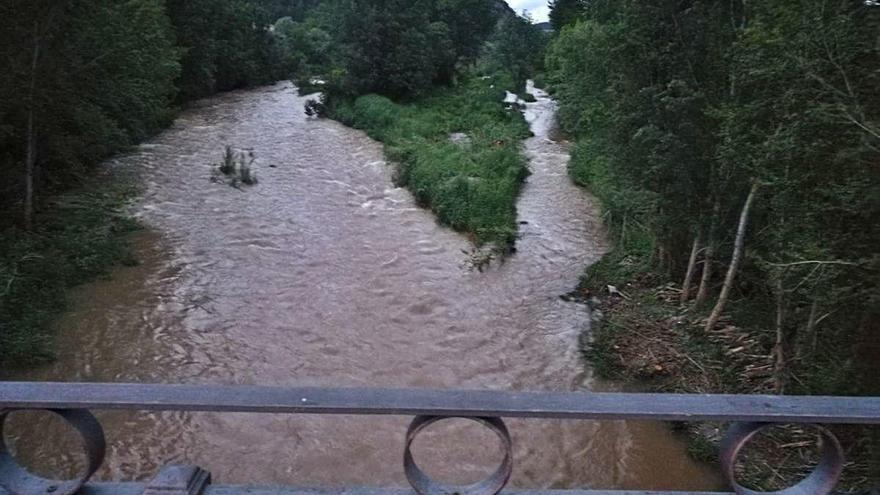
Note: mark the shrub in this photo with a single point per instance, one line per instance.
(237, 167)
(471, 189)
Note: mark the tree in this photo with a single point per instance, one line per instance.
(565, 12)
(401, 48)
(83, 80)
(226, 45)
(517, 48)
(470, 23)
(296, 10)
(678, 107)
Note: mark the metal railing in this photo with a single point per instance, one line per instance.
(749, 414)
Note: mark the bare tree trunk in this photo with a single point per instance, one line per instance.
(29, 161)
(780, 354)
(688, 277)
(709, 257)
(735, 259)
(661, 256)
(31, 145)
(811, 324)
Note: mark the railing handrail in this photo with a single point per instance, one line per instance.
(462, 403)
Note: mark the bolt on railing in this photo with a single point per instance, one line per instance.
(749, 414)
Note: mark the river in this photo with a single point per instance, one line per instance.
(326, 274)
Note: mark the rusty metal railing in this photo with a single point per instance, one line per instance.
(749, 414)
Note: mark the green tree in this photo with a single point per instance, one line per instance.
(84, 79)
(565, 12)
(226, 45)
(806, 126)
(302, 47)
(740, 131)
(517, 48)
(297, 10)
(470, 22)
(401, 48)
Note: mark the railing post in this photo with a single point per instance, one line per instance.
(176, 479)
(17, 480)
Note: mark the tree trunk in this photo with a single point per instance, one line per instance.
(30, 159)
(735, 259)
(708, 258)
(688, 277)
(703, 291)
(661, 256)
(811, 325)
(780, 348)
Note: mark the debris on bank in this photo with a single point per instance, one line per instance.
(642, 336)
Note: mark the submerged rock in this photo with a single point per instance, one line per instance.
(461, 139)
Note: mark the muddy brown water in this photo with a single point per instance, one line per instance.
(326, 274)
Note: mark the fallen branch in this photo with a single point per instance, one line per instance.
(814, 262)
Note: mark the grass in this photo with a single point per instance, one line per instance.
(472, 189)
(78, 237)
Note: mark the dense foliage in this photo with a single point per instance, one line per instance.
(565, 12)
(81, 80)
(220, 48)
(515, 48)
(741, 138)
(303, 48)
(401, 48)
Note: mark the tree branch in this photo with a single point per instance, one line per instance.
(814, 262)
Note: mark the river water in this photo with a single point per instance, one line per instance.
(326, 274)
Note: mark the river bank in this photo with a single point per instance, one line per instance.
(643, 337)
(457, 150)
(79, 235)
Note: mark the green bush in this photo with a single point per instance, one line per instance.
(80, 238)
(471, 188)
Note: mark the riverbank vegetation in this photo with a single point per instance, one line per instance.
(81, 81)
(412, 74)
(80, 234)
(734, 147)
(471, 185)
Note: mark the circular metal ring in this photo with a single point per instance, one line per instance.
(821, 481)
(424, 485)
(16, 480)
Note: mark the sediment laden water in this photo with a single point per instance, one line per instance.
(325, 274)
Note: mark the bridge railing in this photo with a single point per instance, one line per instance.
(749, 414)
